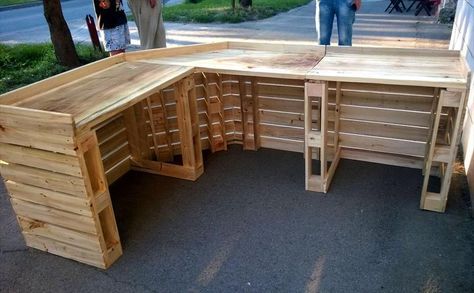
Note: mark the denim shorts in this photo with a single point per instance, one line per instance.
(116, 38)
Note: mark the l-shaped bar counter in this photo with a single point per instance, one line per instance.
(65, 139)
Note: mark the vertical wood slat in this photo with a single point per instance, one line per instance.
(256, 113)
(324, 129)
(337, 115)
(308, 127)
(246, 106)
(169, 154)
(434, 107)
(221, 114)
(135, 125)
(207, 101)
(153, 130)
(184, 124)
(190, 89)
(431, 148)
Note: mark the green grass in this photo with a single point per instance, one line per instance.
(27, 63)
(208, 11)
(15, 2)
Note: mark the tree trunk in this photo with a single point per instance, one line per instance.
(233, 5)
(60, 35)
(245, 3)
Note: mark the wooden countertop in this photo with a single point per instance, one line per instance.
(106, 91)
(436, 68)
(95, 92)
(266, 63)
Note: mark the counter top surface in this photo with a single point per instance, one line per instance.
(391, 66)
(106, 90)
(112, 84)
(267, 63)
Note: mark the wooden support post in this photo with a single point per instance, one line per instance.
(184, 124)
(222, 111)
(318, 138)
(444, 154)
(312, 137)
(97, 188)
(324, 129)
(190, 89)
(246, 105)
(434, 106)
(337, 115)
(431, 148)
(256, 113)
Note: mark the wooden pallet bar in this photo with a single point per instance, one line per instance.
(64, 140)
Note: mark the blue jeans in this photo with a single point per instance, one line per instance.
(345, 13)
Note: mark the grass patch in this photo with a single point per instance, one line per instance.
(16, 2)
(27, 63)
(207, 11)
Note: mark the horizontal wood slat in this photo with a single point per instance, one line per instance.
(65, 250)
(54, 216)
(57, 233)
(40, 159)
(49, 198)
(44, 179)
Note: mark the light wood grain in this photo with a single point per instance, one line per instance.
(389, 66)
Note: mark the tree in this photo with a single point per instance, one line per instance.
(245, 3)
(61, 38)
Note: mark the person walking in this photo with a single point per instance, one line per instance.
(344, 11)
(112, 25)
(149, 20)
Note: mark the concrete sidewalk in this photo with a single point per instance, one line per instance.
(372, 27)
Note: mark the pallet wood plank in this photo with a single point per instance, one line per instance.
(68, 251)
(49, 198)
(57, 233)
(54, 216)
(45, 179)
(60, 163)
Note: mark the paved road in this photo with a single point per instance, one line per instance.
(29, 25)
(372, 27)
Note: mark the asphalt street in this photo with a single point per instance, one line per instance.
(248, 225)
(373, 27)
(29, 25)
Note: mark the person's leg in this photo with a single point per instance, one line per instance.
(324, 20)
(345, 13)
(160, 34)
